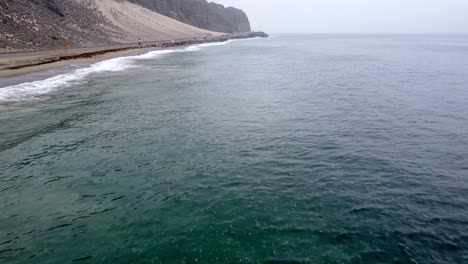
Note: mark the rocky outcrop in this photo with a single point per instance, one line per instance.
(200, 13)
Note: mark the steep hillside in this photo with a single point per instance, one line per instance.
(47, 24)
(201, 14)
(139, 23)
(34, 24)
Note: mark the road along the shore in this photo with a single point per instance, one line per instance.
(14, 64)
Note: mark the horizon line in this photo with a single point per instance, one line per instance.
(370, 33)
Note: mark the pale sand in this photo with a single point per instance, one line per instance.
(138, 23)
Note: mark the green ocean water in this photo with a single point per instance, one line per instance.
(292, 149)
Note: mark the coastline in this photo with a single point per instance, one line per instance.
(19, 64)
(58, 64)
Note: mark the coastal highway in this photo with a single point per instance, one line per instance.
(58, 52)
(13, 59)
(8, 60)
(71, 51)
(61, 51)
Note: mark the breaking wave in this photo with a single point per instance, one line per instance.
(32, 90)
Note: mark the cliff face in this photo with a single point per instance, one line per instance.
(48, 24)
(35, 24)
(200, 13)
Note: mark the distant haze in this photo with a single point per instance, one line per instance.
(356, 16)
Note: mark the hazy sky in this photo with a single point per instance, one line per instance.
(356, 16)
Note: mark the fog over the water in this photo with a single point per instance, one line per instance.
(356, 16)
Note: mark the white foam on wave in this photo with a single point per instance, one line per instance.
(205, 45)
(32, 90)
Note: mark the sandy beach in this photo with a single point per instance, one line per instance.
(22, 64)
(16, 64)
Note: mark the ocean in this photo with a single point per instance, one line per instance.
(291, 149)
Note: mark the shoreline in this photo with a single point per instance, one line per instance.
(9, 74)
(18, 64)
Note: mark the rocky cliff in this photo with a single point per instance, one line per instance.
(202, 14)
(35, 24)
(49, 24)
